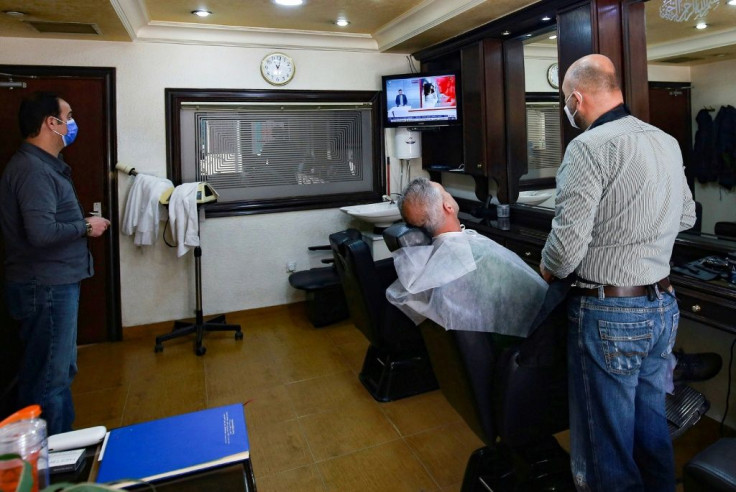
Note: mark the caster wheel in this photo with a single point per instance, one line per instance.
(238, 335)
(200, 350)
(158, 348)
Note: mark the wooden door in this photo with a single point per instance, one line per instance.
(90, 92)
(669, 110)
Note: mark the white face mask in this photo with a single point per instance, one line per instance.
(571, 116)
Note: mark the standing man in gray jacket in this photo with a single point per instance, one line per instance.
(46, 256)
(621, 200)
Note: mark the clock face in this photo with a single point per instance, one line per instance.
(553, 76)
(277, 68)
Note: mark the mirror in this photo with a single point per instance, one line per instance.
(699, 63)
(544, 152)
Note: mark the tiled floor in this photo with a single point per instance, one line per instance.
(312, 425)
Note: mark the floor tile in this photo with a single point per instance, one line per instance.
(277, 447)
(344, 430)
(390, 466)
(419, 413)
(304, 479)
(444, 451)
(328, 392)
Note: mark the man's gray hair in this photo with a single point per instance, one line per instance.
(425, 202)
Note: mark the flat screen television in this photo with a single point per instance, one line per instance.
(422, 99)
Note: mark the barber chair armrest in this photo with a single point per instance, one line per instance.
(385, 272)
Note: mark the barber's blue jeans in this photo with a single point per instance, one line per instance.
(48, 331)
(617, 361)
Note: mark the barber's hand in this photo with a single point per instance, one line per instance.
(546, 275)
(99, 225)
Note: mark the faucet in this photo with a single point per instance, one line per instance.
(387, 198)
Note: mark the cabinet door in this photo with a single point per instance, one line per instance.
(473, 108)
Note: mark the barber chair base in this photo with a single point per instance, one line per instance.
(545, 467)
(390, 376)
(326, 306)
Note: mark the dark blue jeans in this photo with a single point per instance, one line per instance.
(48, 332)
(618, 350)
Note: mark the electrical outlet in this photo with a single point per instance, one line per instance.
(291, 267)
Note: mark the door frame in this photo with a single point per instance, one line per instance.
(107, 75)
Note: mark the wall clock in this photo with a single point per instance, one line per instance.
(553, 76)
(277, 68)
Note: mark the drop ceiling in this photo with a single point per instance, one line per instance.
(397, 26)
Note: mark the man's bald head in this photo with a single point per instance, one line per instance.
(592, 80)
(592, 73)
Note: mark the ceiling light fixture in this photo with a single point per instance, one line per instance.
(505, 33)
(546, 18)
(684, 10)
(14, 13)
(731, 2)
(288, 3)
(342, 22)
(554, 36)
(701, 25)
(201, 13)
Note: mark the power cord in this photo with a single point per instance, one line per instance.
(728, 392)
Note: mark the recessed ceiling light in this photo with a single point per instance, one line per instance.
(342, 22)
(554, 36)
(505, 33)
(14, 13)
(731, 2)
(201, 13)
(288, 3)
(701, 25)
(546, 18)
(527, 35)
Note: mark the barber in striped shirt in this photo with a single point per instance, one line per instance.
(621, 200)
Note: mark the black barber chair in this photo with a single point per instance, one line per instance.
(512, 392)
(396, 364)
(325, 299)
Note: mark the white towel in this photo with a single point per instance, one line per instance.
(142, 209)
(183, 217)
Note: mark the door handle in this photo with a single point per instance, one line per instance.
(96, 209)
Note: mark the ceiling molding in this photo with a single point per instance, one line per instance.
(134, 16)
(421, 18)
(691, 45)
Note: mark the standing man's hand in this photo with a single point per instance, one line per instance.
(546, 275)
(99, 225)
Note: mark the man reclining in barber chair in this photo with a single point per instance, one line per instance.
(496, 351)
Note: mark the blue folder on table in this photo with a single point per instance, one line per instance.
(174, 445)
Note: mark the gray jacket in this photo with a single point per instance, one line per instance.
(42, 221)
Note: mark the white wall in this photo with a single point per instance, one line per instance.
(713, 86)
(244, 258)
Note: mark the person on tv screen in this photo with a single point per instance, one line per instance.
(401, 99)
(430, 95)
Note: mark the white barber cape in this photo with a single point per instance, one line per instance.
(142, 209)
(183, 217)
(466, 281)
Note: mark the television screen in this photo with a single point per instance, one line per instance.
(421, 99)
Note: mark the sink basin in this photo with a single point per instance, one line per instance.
(381, 214)
(533, 197)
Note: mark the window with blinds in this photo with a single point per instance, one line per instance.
(274, 155)
(544, 152)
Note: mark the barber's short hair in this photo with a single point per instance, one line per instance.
(426, 203)
(34, 110)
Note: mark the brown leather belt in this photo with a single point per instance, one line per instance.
(614, 291)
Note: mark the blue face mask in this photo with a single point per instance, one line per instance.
(71, 131)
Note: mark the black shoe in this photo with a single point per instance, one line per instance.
(696, 367)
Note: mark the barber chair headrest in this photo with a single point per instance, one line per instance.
(402, 235)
